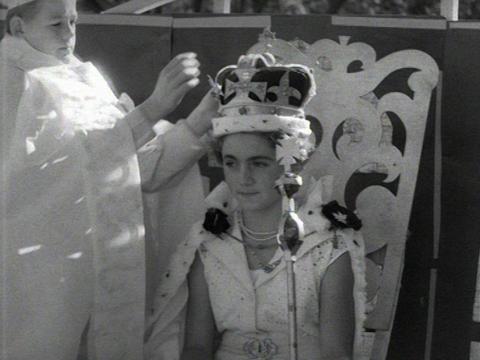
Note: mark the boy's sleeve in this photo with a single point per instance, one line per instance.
(41, 130)
(169, 155)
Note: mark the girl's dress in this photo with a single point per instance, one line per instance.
(249, 307)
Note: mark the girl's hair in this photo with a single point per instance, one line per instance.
(26, 12)
(308, 145)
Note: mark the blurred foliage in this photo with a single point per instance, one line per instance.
(469, 9)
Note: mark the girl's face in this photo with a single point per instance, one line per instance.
(52, 29)
(250, 169)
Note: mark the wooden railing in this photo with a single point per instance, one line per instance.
(449, 8)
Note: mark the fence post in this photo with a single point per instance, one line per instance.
(222, 6)
(449, 9)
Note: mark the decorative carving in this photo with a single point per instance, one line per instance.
(371, 142)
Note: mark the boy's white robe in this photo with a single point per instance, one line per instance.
(72, 231)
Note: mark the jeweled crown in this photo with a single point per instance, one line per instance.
(258, 94)
(257, 84)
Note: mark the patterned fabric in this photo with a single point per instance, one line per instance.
(247, 313)
(251, 316)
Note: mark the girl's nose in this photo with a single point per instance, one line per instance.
(246, 175)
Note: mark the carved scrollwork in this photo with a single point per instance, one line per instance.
(372, 115)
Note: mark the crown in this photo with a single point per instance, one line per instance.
(259, 94)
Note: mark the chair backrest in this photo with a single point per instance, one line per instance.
(370, 140)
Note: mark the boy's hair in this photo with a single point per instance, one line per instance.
(26, 12)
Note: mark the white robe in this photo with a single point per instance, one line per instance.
(73, 233)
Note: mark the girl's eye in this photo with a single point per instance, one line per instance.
(56, 24)
(229, 164)
(260, 164)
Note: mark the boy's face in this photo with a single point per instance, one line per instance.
(52, 29)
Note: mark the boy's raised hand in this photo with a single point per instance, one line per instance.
(178, 77)
(200, 119)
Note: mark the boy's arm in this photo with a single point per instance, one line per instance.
(178, 77)
(177, 149)
(164, 156)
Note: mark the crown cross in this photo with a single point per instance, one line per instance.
(243, 87)
(284, 91)
(288, 151)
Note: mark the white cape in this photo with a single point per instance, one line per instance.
(73, 234)
(165, 334)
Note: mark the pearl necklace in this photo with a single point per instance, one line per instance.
(257, 236)
(251, 248)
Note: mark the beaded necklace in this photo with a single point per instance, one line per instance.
(262, 240)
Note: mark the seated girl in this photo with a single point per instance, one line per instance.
(224, 296)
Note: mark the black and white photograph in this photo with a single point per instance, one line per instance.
(239, 180)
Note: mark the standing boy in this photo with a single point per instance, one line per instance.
(74, 162)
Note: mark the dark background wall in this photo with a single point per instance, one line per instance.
(459, 246)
